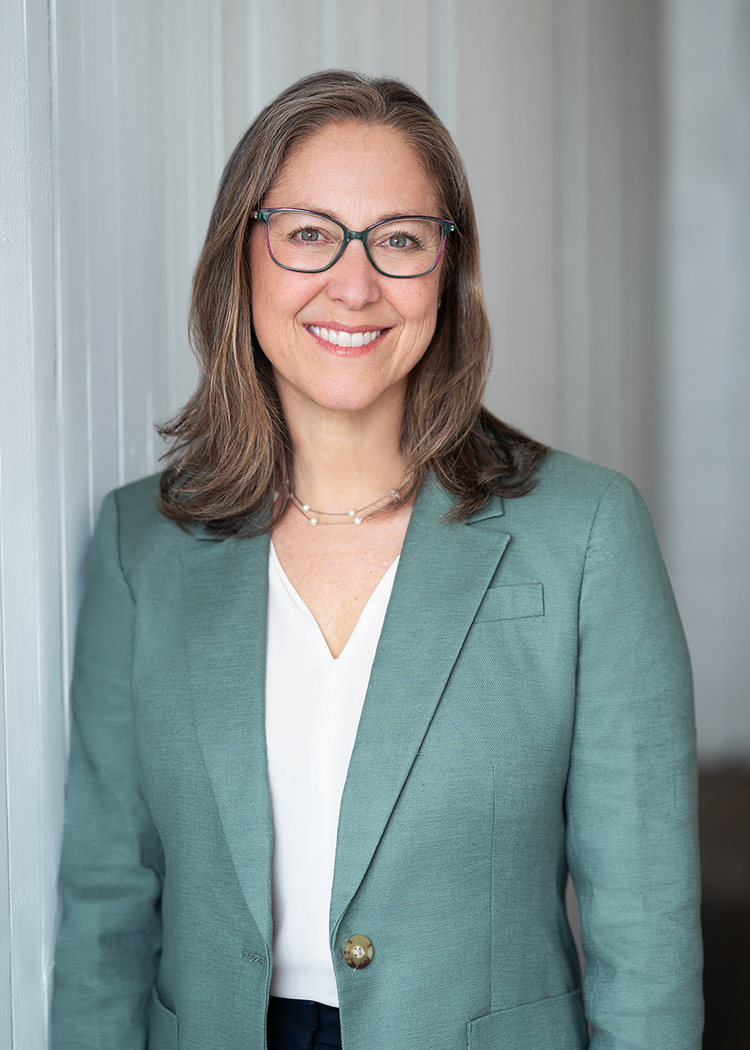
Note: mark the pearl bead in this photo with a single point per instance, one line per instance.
(352, 513)
(357, 521)
(313, 521)
(305, 506)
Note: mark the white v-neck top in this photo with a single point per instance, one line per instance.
(313, 706)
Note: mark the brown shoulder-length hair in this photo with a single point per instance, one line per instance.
(231, 458)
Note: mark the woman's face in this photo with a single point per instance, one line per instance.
(358, 175)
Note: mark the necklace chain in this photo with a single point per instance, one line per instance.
(349, 517)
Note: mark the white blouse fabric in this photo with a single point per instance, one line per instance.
(313, 706)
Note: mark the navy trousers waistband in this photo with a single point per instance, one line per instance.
(300, 1024)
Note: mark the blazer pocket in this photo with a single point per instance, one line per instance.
(511, 601)
(162, 1025)
(548, 1024)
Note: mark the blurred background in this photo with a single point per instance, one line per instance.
(608, 149)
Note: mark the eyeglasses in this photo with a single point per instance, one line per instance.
(307, 242)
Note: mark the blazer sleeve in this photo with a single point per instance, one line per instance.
(112, 861)
(631, 794)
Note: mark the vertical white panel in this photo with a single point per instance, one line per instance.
(605, 188)
(706, 386)
(575, 388)
(329, 51)
(607, 128)
(104, 309)
(199, 125)
(218, 155)
(30, 630)
(152, 373)
(442, 46)
(507, 135)
(254, 44)
(179, 180)
(558, 125)
(73, 293)
(622, 185)
(237, 61)
(131, 161)
(393, 42)
(642, 120)
(105, 226)
(361, 37)
(415, 67)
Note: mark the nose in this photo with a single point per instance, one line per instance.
(353, 280)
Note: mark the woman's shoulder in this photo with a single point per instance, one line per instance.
(584, 519)
(575, 483)
(135, 507)
(138, 498)
(132, 518)
(574, 475)
(573, 493)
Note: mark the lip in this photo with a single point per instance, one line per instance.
(370, 337)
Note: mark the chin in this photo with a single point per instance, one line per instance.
(347, 402)
(360, 391)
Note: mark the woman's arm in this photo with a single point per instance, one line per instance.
(631, 794)
(112, 858)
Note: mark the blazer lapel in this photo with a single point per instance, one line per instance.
(442, 576)
(226, 611)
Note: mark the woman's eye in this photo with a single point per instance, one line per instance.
(307, 235)
(400, 241)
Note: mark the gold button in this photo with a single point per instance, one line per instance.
(358, 952)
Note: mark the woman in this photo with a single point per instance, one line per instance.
(235, 800)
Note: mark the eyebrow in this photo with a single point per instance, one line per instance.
(332, 215)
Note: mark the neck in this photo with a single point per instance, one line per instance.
(345, 459)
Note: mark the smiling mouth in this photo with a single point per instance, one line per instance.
(339, 338)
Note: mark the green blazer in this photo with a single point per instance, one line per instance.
(528, 714)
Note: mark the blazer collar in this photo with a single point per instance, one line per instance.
(226, 610)
(443, 574)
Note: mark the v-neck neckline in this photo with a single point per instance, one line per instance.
(386, 580)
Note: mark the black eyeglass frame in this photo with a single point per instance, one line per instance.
(263, 215)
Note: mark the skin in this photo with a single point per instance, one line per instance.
(344, 407)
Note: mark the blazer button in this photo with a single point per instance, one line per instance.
(358, 952)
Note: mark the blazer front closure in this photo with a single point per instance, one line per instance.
(443, 574)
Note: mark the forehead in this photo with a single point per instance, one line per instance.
(349, 166)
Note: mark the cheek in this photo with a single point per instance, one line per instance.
(270, 306)
(426, 319)
(422, 311)
(269, 288)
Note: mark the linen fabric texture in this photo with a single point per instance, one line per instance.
(528, 713)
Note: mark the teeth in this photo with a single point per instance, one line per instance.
(345, 338)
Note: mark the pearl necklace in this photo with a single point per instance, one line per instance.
(349, 517)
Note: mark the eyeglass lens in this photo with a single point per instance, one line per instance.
(399, 247)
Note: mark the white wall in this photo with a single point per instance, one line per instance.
(31, 666)
(115, 121)
(563, 160)
(705, 396)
